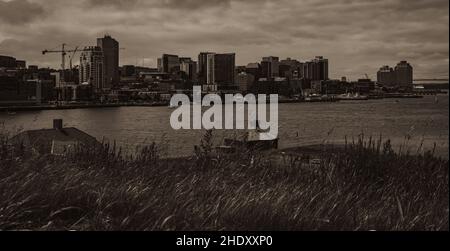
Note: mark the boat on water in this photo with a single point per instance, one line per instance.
(313, 98)
(352, 97)
(320, 98)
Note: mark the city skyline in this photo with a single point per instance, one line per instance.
(374, 33)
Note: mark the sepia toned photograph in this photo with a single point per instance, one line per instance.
(224, 115)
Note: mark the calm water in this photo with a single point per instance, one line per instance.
(300, 124)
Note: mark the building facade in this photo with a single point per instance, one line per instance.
(189, 68)
(404, 75)
(270, 67)
(316, 69)
(202, 67)
(170, 63)
(110, 48)
(217, 70)
(92, 68)
(399, 77)
(386, 76)
(224, 70)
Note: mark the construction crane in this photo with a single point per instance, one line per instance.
(71, 57)
(64, 52)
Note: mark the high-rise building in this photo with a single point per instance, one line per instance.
(270, 67)
(92, 67)
(189, 68)
(224, 66)
(170, 63)
(216, 69)
(386, 76)
(110, 48)
(202, 67)
(210, 69)
(316, 69)
(404, 74)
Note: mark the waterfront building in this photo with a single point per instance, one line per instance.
(170, 63)
(404, 75)
(270, 67)
(110, 48)
(189, 68)
(92, 67)
(216, 70)
(224, 66)
(202, 67)
(316, 69)
(386, 76)
(364, 86)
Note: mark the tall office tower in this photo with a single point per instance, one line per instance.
(322, 67)
(202, 67)
(217, 69)
(189, 68)
(316, 69)
(270, 67)
(224, 70)
(110, 48)
(170, 63)
(210, 69)
(92, 67)
(404, 74)
(386, 76)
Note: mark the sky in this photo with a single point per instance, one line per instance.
(357, 36)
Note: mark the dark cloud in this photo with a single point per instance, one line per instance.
(112, 3)
(169, 4)
(19, 11)
(358, 36)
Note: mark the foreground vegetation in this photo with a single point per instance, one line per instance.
(364, 186)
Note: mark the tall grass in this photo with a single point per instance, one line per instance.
(364, 186)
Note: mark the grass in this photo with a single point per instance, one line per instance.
(364, 186)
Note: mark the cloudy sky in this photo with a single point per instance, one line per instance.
(357, 36)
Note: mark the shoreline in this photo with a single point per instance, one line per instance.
(17, 108)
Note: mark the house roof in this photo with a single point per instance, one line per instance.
(43, 140)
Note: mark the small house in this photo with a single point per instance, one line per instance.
(58, 140)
